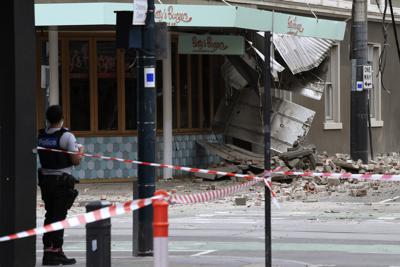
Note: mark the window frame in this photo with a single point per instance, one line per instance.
(376, 114)
(333, 121)
(92, 38)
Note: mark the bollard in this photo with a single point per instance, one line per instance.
(98, 238)
(160, 230)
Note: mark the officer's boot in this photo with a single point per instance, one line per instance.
(57, 258)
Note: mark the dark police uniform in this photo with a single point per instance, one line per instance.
(55, 180)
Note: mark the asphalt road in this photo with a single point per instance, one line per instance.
(304, 234)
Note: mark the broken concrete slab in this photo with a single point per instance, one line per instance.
(209, 176)
(290, 122)
(240, 201)
(358, 192)
(333, 181)
(346, 165)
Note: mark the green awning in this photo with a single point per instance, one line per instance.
(204, 16)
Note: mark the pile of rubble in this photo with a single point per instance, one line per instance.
(304, 188)
(314, 188)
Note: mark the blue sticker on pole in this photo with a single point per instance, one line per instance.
(360, 86)
(149, 77)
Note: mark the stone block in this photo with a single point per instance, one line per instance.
(333, 181)
(358, 192)
(197, 180)
(240, 201)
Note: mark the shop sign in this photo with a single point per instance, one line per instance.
(211, 44)
(172, 16)
(294, 27)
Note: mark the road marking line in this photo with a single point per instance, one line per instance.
(389, 200)
(203, 253)
(387, 218)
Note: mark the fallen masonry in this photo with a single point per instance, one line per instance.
(307, 189)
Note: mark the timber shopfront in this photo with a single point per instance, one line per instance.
(97, 90)
(96, 83)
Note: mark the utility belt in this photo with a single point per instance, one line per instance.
(60, 179)
(62, 185)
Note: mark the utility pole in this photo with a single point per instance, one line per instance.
(267, 144)
(146, 103)
(17, 132)
(359, 90)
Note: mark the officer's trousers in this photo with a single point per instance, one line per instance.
(58, 194)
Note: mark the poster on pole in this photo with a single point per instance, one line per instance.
(139, 12)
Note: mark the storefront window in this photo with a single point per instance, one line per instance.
(130, 91)
(206, 92)
(99, 91)
(107, 91)
(195, 79)
(183, 92)
(217, 83)
(79, 83)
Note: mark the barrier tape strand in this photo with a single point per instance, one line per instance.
(161, 165)
(123, 208)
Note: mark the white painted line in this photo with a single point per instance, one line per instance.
(387, 218)
(206, 215)
(389, 200)
(203, 253)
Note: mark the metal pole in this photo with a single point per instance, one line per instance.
(359, 95)
(53, 64)
(146, 129)
(17, 132)
(167, 109)
(267, 144)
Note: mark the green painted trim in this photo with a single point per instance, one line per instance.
(311, 27)
(253, 19)
(206, 16)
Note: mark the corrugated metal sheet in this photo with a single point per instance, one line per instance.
(275, 66)
(301, 53)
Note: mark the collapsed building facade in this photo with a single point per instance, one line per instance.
(240, 113)
(215, 95)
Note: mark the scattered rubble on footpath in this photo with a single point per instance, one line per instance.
(293, 188)
(309, 189)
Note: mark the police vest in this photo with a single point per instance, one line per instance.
(49, 159)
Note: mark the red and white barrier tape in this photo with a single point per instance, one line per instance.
(211, 195)
(364, 176)
(159, 165)
(93, 216)
(123, 208)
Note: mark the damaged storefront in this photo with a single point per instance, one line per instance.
(208, 85)
(298, 67)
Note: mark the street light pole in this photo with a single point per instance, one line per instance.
(146, 129)
(359, 94)
(267, 144)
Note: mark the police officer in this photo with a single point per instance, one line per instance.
(56, 182)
